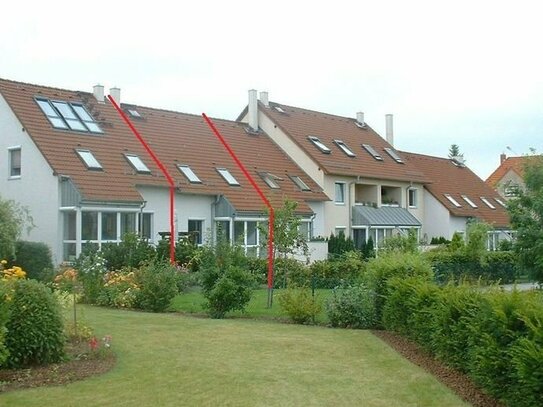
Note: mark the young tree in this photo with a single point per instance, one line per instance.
(526, 212)
(13, 219)
(454, 151)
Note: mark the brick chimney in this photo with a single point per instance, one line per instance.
(503, 157)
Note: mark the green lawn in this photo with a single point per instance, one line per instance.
(175, 360)
(192, 302)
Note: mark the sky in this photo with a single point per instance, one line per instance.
(451, 72)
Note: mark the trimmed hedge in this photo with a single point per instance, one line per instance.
(495, 337)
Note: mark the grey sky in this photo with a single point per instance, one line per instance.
(464, 72)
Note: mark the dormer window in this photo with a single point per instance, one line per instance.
(190, 174)
(488, 203)
(452, 200)
(64, 115)
(469, 201)
(137, 163)
(300, 183)
(394, 155)
(319, 144)
(229, 178)
(89, 160)
(270, 179)
(373, 152)
(344, 148)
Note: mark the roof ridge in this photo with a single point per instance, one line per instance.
(314, 111)
(425, 155)
(43, 86)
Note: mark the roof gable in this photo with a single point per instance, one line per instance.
(515, 164)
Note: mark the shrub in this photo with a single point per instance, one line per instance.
(120, 289)
(91, 270)
(353, 307)
(289, 271)
(132, 251)
(231, 291)
(299, 304)
(35, 326)
(5, 299)
(157, 283)
(35, 259)
(389, 265)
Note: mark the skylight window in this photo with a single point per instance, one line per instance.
(134, 113)
(319, 144)
(300, 183)
(279, 109)
(88, 158)
(344, 148)
(452, 200)
(190, 174)
(229, 178)
(488, 203)
(469, 201)
(373, 152)
(137, 163)
(500, 202)
(64, 115)
(394, 155)
(270, 180)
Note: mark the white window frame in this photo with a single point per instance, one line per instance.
(189, 174)
(452, 200)
(487, 202)
(341, 144)
(228, 177)
(270, 180)
(394, 155)
(88, 158)
(469, 201)
(500, 202)
(319, 144)
(343, 189)
(300, 183)
(11, 151)
(373, 152)
(202, 221)
(415, 193)
(137, 163)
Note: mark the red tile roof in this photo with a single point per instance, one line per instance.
(447, 178)
(300, 123)
(176, 138)
(515, 164)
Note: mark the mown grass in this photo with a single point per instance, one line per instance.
(175, 360)
(192, 302)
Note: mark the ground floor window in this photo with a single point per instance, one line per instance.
(85, 229)
(196, 230)
(247, 235)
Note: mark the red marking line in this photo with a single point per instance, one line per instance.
(162, 169)
(257, 189)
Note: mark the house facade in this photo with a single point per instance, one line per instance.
(86, 180)
(375, 190)
(372, 190)
(507, 179)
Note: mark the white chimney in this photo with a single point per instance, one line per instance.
(389, 129)
(264, 99)
(360, 118)
(98, 93)
(116, 94)
(253, 110)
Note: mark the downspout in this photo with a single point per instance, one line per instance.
(350, 209)
(142, 206)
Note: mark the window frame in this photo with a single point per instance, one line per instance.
(11, 151)
(198, 233)
(89, 164)
(270, 180)
(228, 177)
(487, 202)
(345, 148)
(373, 152)
(144, 169)
(452, 200)
(299, 182)
(469, 201)
(394, 155)
(342, 185)
(410, 201)
(64, 115)
(189, 173)
(319, 144)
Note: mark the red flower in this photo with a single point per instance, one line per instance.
(93, 343)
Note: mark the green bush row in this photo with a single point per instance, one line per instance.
(496, 337)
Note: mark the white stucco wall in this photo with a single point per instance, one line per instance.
(187, 207)
(436, 218)
(457, 224)
(37, 188)
(510, 178)
(318, 220)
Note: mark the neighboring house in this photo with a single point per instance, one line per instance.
(69, 157)
(373, 190)
(455, 195)
(507, 179)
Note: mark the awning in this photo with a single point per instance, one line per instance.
(384, 216)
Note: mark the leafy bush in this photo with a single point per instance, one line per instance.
(157, 283)
(187, 253)
(91, 270)
(231, 291)
(35, 326)
(5, 299)
(289, 271)
(299, 304)
(353, 307)
(132, 251)
(120, 289)
(389, 265)
(35, 258)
